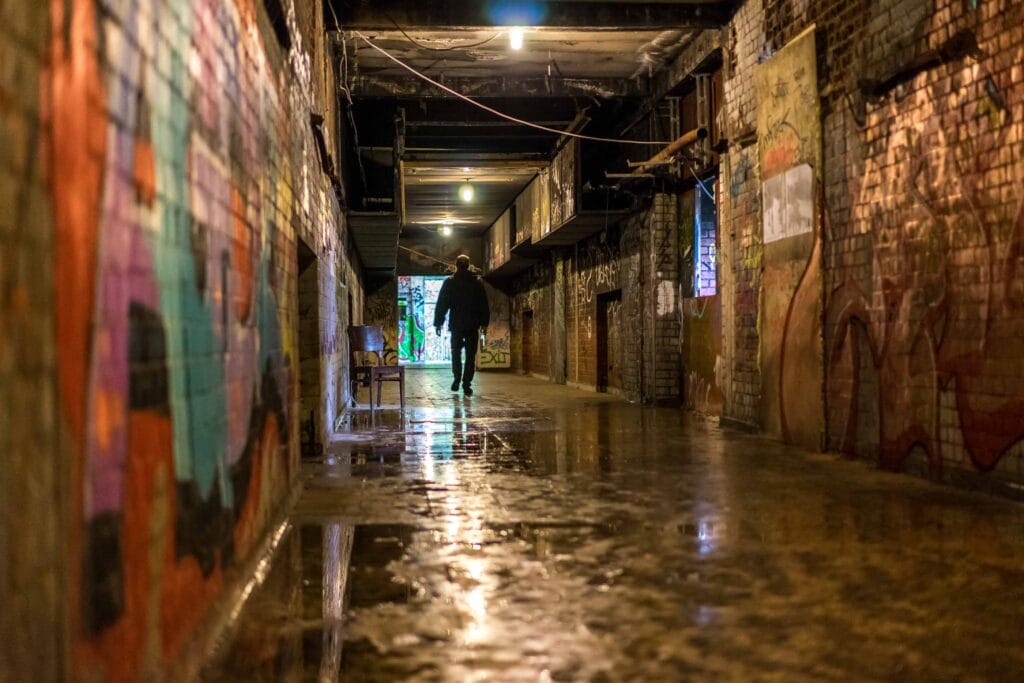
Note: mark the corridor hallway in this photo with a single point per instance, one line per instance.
(751, 379)
(537, 532)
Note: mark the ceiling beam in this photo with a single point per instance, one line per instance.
(384, 14)
(476, 124)
(370, 85)
(697, 52)
(462, 157)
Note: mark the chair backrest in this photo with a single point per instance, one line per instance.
(367, 338)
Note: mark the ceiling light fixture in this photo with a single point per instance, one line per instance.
(446, 230)
(515, 38)
(466, 191)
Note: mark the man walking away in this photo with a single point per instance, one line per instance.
(463, 294)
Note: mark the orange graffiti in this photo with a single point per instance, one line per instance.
(781, 156)
(72, 150)
(248, 528)
(241, 261)
(73, 99)
(108, 416)
(144, 176)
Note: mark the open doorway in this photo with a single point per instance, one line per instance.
(609, 341)
(418, 345)
(528, 342)
(705, 251)
(310, 393)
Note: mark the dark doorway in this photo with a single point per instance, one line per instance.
(309, 351)
(609, 341)
(527, 342)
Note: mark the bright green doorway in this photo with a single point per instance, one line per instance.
(418, 344)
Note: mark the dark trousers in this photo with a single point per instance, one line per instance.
(464, 339)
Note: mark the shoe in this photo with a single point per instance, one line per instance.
(468, 391)
(455, 385)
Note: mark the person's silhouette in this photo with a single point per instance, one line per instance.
(464, 297)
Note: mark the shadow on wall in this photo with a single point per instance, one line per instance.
(926, 339)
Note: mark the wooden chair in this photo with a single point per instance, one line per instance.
(364, 339)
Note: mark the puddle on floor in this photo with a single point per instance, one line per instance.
(608, 542)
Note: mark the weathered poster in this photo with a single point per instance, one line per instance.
(789, 151)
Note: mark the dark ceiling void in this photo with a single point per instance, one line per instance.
(386, 85)
(598, 15)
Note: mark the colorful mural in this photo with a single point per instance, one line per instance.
(412, 326)
(495, 351)
(417, 340)
(177, 151)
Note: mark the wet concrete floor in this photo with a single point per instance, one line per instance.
(540, 533)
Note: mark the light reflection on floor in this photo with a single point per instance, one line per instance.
(536, 533)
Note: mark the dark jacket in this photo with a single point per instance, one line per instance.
(463, 294)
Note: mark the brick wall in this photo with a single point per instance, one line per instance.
(33, 489)
(739, 281)
(638, 258)
(662, 338)
(739, 220)
(533, 294)
(161, 163)
(921, 205)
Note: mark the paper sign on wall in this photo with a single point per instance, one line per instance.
(788, 203)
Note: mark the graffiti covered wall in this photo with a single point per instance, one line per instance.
(920, 208)
(700, 315)
(174, 167)
(789, 141)
(381, 309)
(33, 505)
(532, 318)
(496, 351)
(630, 269)
(924, 320)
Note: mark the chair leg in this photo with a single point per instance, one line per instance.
(370, 389)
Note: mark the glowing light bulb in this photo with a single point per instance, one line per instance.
(515, 38)
(446, 230)
(466, 192)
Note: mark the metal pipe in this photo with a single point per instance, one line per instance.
(674, 148)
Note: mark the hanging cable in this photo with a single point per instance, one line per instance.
(497, 113)
(449, 264)
(441, 49)
(347, 90)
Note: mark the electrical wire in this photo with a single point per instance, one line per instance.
(497, 113)
(347, 90)
(449, 264)
(692, 167)
(440, 49)
(427, 256)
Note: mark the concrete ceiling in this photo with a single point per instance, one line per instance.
(431, 192)
(577, 54)
(582, 61)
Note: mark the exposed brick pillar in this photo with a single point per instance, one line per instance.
(661, 293)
